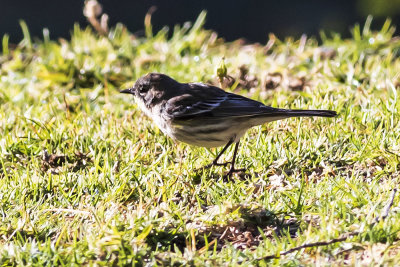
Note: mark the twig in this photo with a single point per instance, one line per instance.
(92, 10)
(386, 210)
(309, 245)
(344, 237)
(224, 233)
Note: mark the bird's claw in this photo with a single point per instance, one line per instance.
(228, 175)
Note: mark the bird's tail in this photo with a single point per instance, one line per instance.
(279, 114)
(308, 113)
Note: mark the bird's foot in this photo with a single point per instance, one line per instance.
(228, 175)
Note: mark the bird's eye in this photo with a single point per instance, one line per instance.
(144, 88)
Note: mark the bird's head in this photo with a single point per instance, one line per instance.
(152, 87)
(149, 82)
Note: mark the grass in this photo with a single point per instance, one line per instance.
(86, 178)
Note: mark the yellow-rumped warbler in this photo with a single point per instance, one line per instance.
(204, 115)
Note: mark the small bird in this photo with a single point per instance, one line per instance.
(204, 115)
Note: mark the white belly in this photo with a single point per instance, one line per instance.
(210, 134)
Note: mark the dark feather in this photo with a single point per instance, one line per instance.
(206, 101)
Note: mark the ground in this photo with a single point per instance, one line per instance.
(86, 178)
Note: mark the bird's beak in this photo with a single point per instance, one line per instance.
(127, 91)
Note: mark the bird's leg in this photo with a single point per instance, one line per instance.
(232, 169)
(215, 161)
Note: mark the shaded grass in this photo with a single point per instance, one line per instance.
(85, 178)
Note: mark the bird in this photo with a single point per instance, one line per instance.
(204, 115)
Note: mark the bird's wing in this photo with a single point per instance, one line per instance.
(209, 101)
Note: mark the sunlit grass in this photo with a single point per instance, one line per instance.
(86, 178)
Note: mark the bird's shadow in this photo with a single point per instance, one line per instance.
(251, 228)
(256, 225)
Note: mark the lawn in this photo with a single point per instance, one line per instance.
(86, 178)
